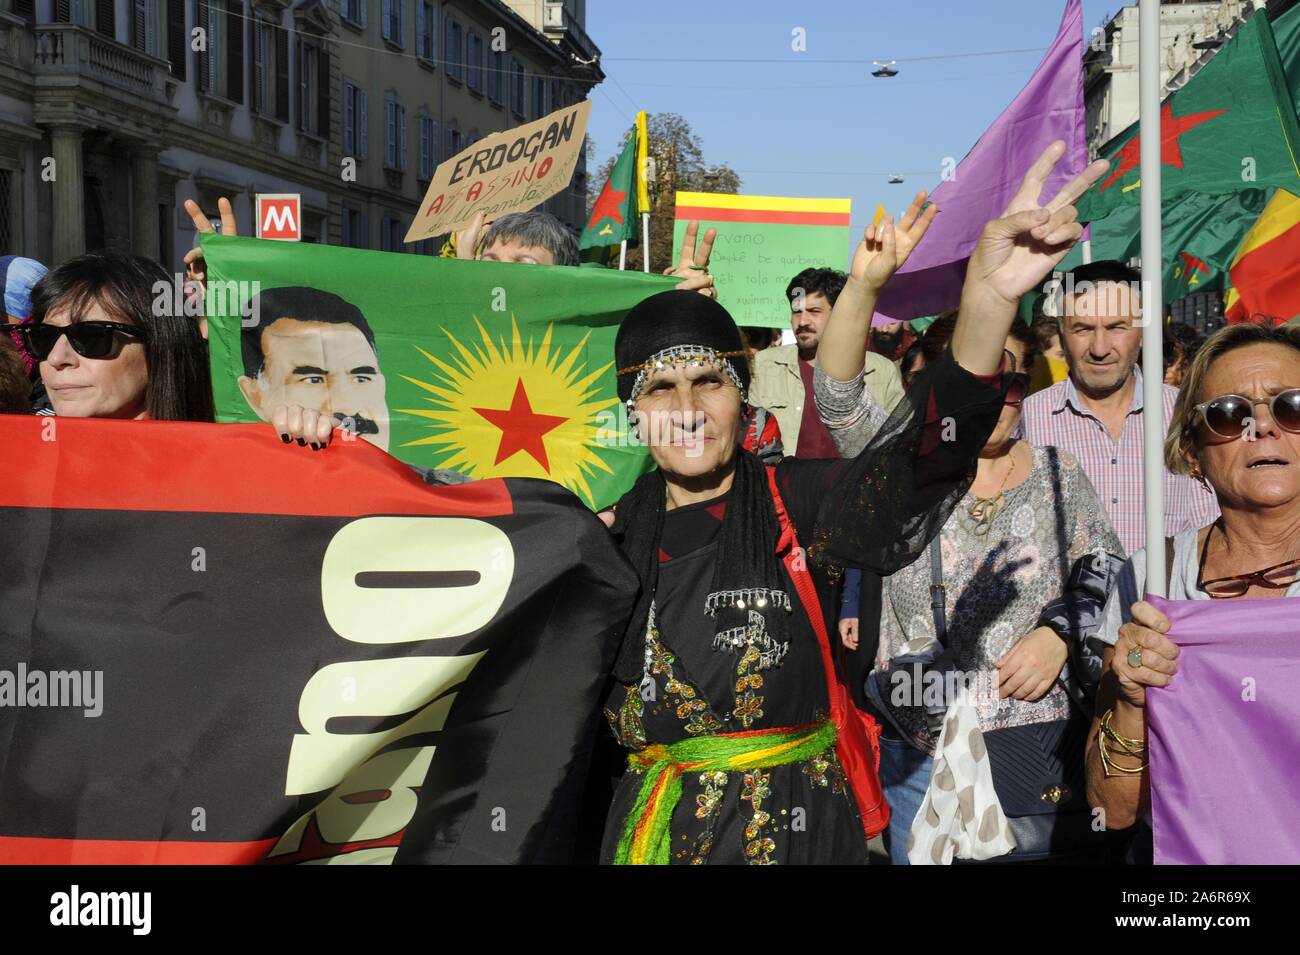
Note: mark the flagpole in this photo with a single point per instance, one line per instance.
(645, 242)
(643, 185)
(1153, 420)
(622, 255)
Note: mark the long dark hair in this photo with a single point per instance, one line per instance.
(127, 287)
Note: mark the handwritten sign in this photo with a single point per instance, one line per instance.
(506, 172)
(763, 242)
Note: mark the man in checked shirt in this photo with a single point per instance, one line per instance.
(1096, 413)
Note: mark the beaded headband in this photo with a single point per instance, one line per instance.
(689, 355)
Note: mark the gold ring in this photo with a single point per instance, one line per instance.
(1135, 657)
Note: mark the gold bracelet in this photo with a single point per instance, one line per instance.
(1108, 765)
(1134, 747)
(1131, 747)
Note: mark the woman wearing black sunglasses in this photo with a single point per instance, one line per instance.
(1236, 429)
(105, 348)
(1006, 555)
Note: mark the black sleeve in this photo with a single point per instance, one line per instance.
(879, 510)
(1077, 614)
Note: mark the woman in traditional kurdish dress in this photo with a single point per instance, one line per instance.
(743, 744)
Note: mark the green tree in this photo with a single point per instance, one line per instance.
(677, 154)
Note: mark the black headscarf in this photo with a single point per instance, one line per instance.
(675, 320)
(747, 576)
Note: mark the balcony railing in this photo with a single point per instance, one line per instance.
(69, 49)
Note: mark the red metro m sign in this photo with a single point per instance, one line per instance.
(279, 216)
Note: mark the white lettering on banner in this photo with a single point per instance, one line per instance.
(320, 759)
(416, 546)
(372, 776)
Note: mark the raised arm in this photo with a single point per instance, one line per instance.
(1014, 254)
(883, 250)
(879, 509)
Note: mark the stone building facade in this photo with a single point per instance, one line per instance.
(114, 112)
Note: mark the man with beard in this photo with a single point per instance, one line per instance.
(783, 375)
(306, 347)
(1096, 413)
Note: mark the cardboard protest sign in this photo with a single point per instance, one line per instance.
(509, 171)
(763, 242)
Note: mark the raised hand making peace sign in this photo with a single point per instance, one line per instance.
(886, 246)
(693, 262)
(1014, 254)
(883, 250)
(195, 268)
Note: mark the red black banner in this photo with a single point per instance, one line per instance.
(218, 649)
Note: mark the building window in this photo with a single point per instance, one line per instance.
(426, 25)
(451, 54)
(355, 139)
(428, 146)
(518, 88)
(454, 142)
(496, 78)
(390, 236)
(474, 57)
(270, 44)
(356, 229)
(144, 25)
(221, 64)
(263, 55)
(8, 234)
(354, 11)
(313, 88)
(396, 119)
(393, 26)
(539, 97)
(178, 45)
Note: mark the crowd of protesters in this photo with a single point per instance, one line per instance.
(970, 498)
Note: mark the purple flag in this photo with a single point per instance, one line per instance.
(1050, 107)
(1224, 736)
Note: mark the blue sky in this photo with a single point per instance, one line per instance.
(797, 126)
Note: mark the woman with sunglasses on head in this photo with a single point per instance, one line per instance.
(1006, 553)
(105, 348)
(1236, 429)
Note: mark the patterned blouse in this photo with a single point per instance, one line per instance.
(998, 584)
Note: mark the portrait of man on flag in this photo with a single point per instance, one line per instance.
(302, 346)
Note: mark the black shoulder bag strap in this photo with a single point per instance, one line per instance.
(937, 594)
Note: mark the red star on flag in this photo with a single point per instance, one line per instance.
(521, 428)
(1171, 154)
(609, 205)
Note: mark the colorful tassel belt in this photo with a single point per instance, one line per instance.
(646, 838)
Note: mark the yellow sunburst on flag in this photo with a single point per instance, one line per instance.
(506, 407)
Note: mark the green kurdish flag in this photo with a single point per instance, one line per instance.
(613, 217)
(1232, 127)
(1200, 235)
(493, 369)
